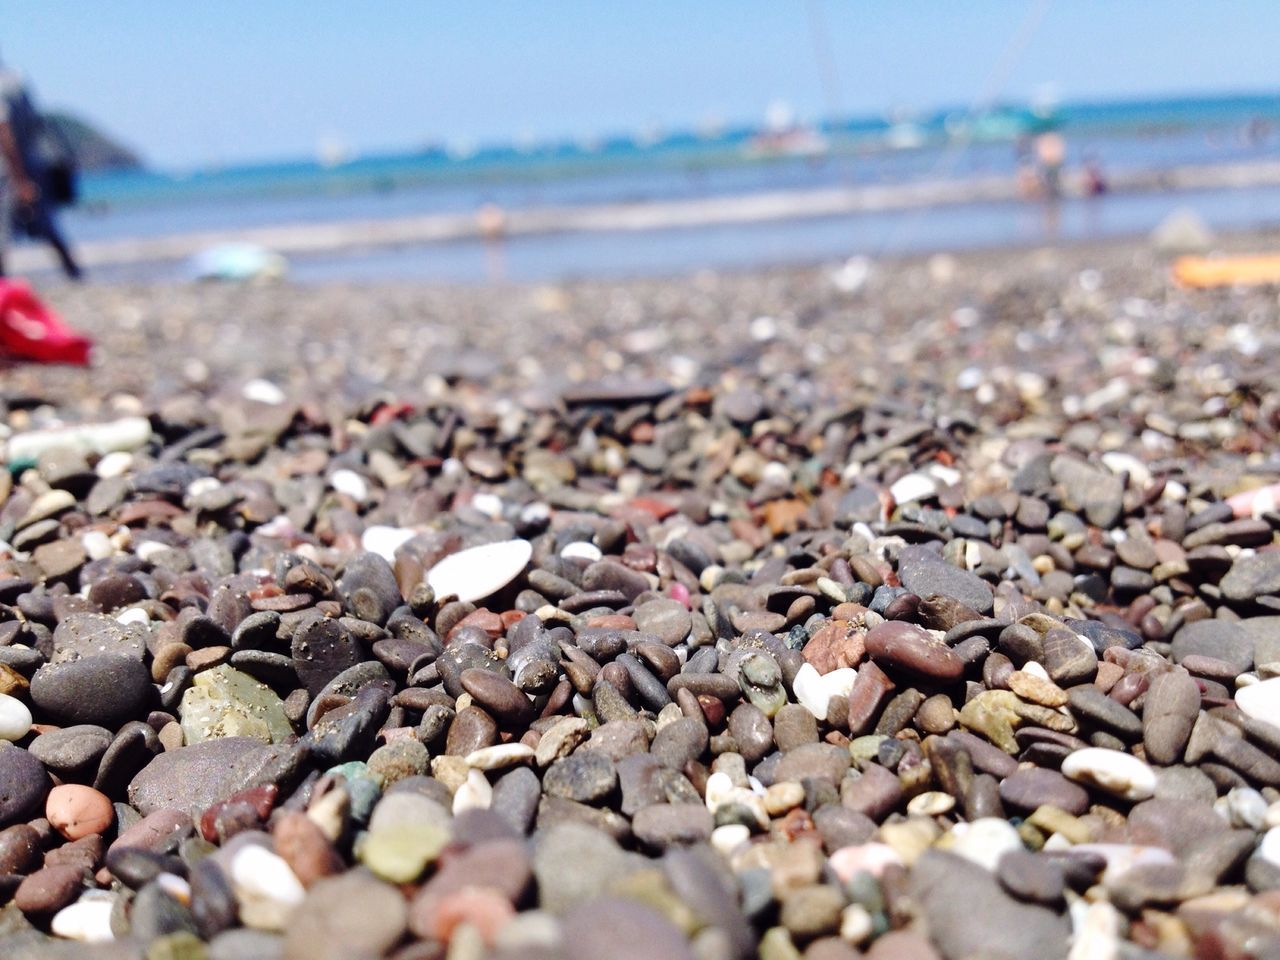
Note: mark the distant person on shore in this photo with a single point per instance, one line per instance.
(1050, 153)
(27, 191)
(1094, 182)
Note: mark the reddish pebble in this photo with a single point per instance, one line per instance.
(486, 910)
(680, 592)
(77, 811)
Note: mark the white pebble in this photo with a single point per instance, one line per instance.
(1260, 700)
(1120, 774)
(1096, 936)
(385, 541)
(150, 549)
(474, 794)
(88, 920)
(1123, 857)
(133, 615)
(985, 841)
(914, 486)
(856, 924)
(500, 755)
(1035, 669)
(350, 483)
(1269, 849)
(266, 888)
(15, 718)
(931, 803)
(814, 691)
(115, 464)
(490, 504)
(97, 545)
(263, 391)
(581, 550)
(1246, 807)
(480, 571)
(729, 837)
(201, 486)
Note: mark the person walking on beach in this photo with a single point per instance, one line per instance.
(25, 183)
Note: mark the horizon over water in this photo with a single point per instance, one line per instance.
(1122, 136)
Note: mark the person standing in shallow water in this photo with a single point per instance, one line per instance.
(24, 187)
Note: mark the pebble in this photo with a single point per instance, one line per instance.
(1119, 774)
(777, 663)
(88, 920)
(24, 784)
(349, 915)
(15, 718)
(898, 645)
(103, 690)
(1260, 700)
(267, 891)
(77, 811)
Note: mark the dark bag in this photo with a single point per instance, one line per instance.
(61, 174)
(62, 186)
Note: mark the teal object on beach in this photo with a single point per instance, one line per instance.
(238, 261)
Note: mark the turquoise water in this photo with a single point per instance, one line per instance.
(1152, 134)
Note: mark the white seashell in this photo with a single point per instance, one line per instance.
(480, 571)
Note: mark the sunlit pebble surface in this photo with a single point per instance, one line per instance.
(982, 359)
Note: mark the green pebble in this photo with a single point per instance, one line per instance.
(182, 945)
(399, 853)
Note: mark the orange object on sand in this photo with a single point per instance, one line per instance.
(1252, 270)
(31, 331)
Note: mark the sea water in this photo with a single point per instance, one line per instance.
(944, 146)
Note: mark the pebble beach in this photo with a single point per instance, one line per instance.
(925, 608)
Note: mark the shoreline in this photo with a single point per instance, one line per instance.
(357, 236)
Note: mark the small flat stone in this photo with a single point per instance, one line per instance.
(925, 574)
(24, 784)
(1035, 787)
(101, 690)
(584, 776)
(663, 825)
(898, 645)
(1219, 639)
(1252, 577)
(352, 914)
(1169, 712)
(193, 778)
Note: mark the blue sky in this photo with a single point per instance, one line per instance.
(192, 83)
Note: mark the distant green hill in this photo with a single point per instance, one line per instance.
(94, 150)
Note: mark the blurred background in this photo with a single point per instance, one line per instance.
(480, 141)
